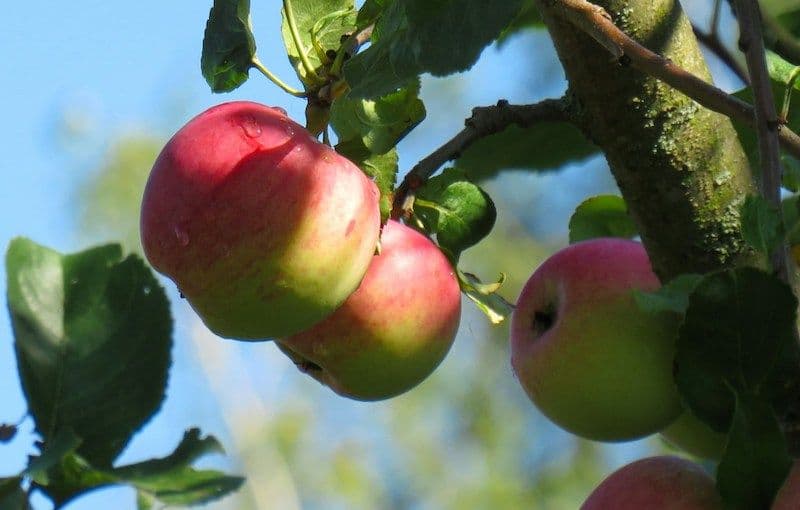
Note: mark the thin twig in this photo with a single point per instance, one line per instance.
(485, 121)
(766, 116)
(712, 42)
(598, 25)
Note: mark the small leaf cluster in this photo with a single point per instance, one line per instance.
(93, 335)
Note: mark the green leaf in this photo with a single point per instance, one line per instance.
(370, 11)
(170, 480)
(672, 297)
(456, 210)
(92, 338)
(382, 168)
(762, 227)
(601, 216)
(528, 18)
(737, 336)
(144, 501)
(378, 123)
(320, 25)
(65, 442)
(228, 45)
(544, 146)
(791, 173)
(755, 461)
(418, 36)
(780, 71)
(12, 497)
(485, 296)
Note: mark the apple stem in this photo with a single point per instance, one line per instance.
(298, 43)
(277, 81)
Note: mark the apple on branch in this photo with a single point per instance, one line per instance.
(264, 230)
(394, 330)
(585, 353)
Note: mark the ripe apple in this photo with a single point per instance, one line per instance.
(693, 436)
(394, 330)
(788, 497)
(656, 483)
(585, 353)
(264, 230)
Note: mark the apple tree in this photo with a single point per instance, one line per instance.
(314, 237)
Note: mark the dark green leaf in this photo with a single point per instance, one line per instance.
(382, 168)
(601, 216)
(379, 123)
(755, 461)
(762, 227)
(544, 146)
(418, 36)
(72, 477)
(456, 210)
(672, 297)
(370, 12)
(228, 45)
(92, 338)
(737, 335)
(320, 25)
(791, 173)
(528, 18)
(12, 496)
(791, 218)
(65, 442)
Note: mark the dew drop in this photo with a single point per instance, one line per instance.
(251, 127)
(181, 235)
(146, 291)
(73, 281)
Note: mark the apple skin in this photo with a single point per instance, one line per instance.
(693, 436)
(264, 230)
(656, 483)
(788, 497)
(394, 330)
(586, 355)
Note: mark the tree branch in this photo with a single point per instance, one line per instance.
(766, 116)
(485, 121)
(598, 24)
(711, 41)
(779, 40)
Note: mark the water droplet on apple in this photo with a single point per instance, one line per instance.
(280, 110)
(251, 127)
(181, 235)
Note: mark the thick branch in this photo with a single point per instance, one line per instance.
(598, 24)
(485, 121)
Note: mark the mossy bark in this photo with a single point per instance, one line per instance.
(679, 165)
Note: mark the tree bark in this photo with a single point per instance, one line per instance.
(680, 166)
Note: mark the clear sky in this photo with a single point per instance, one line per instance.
(114, 66)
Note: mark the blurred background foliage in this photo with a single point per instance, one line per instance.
(467, 437)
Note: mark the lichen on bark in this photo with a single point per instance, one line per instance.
(679, 165)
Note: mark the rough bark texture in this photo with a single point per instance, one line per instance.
(679, 166)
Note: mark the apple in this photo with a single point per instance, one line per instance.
(585, 353)
(394, 330)
(693, 436)
(264, 230)
(656, 483)
(788, 497)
